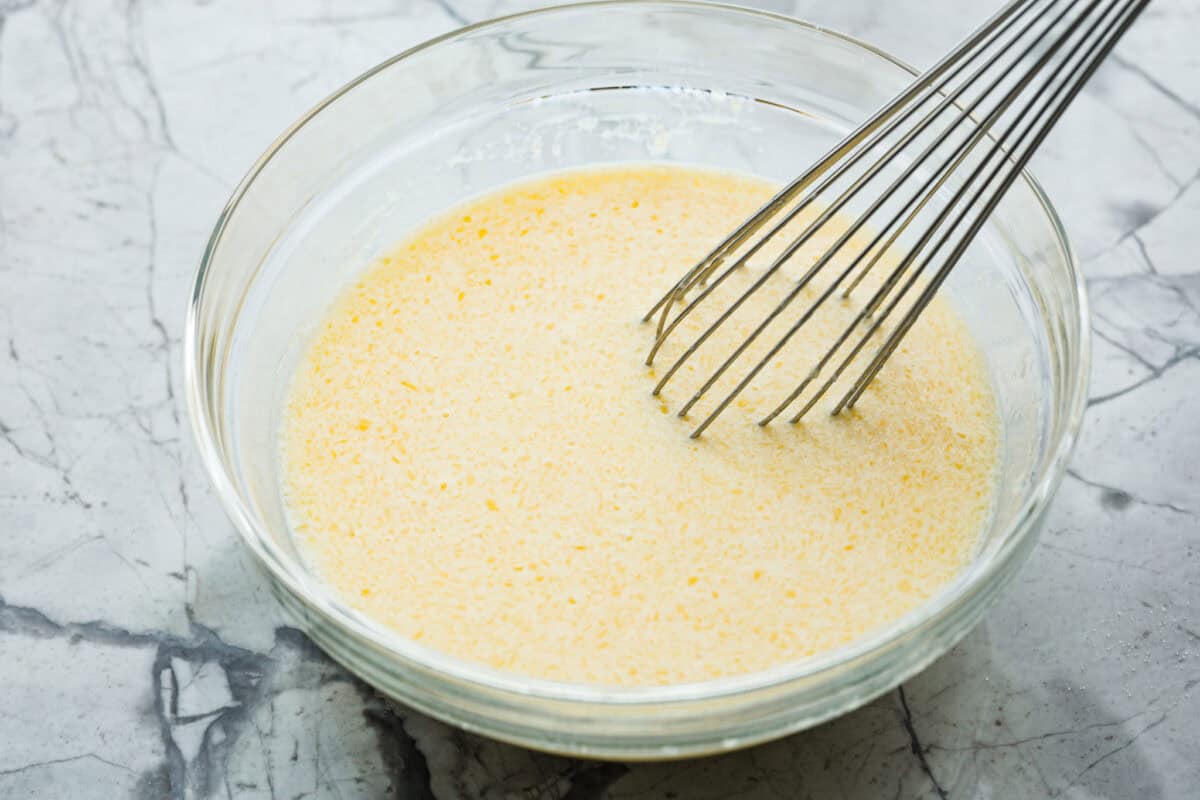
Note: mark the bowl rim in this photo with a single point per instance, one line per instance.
(414, 655)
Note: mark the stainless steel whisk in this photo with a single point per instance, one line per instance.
(980, 112)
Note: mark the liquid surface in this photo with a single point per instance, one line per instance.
(472, 455)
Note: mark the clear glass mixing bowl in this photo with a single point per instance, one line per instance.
(589, 84)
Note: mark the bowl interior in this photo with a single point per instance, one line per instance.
(589, 85)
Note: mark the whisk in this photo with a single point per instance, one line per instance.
(959, 136)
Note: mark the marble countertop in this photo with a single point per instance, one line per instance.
(141, 655)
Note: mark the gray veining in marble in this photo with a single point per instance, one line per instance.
(140, 653)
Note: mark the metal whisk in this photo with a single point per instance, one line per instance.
(959, 135)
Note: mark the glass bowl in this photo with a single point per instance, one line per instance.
(588, 84)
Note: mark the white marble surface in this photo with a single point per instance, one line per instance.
(140, 654)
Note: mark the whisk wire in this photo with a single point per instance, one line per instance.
(925, 192)
(927, 294)
(1067, 91)
(811, 228)
(916, 250)
(1014, 146)
(997, 24)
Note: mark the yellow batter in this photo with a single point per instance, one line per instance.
(472, 456)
